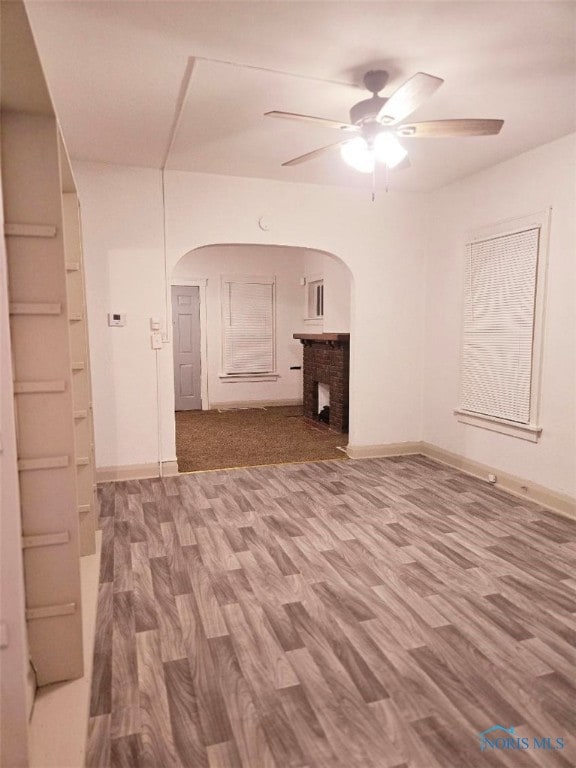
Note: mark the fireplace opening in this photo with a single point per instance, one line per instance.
(323, 393)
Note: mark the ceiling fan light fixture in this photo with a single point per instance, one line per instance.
(357, 154)
(388, 149)
(380, 119)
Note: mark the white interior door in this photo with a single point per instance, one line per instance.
(186, 335)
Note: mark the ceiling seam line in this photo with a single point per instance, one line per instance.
(180, 102)
(276, 71)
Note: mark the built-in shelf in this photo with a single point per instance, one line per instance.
(29, 230)
(83, 508)
(45, 540)
(44, 261)
(82, 461)
(75, 317)
(48, 462)
(39, 387)
(35, 308)
(80, 414)
(78, 366)
(49, 611)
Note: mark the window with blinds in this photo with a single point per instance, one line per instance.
(499, 325)
(315, 298)
(248, 344)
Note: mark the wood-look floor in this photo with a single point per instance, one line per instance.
(363, 614)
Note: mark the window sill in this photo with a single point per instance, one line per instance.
(523, 431)
(247, 377)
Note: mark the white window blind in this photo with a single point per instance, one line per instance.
(499, 307)
(248, 327)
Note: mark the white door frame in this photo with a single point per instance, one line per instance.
(201, 285)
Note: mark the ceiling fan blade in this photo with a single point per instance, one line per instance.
(447, 128)
(310, 119)
(408, 97)
(311, 155)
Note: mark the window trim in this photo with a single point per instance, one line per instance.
(531, 431)
(248, 377)
(495, 424)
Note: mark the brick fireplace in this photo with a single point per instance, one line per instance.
(326, 361)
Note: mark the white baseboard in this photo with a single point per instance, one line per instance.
(517, 486)
(381, 451)
(170, 468)
(135, 472)
(230, 405)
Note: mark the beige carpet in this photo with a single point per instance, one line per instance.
(245, 438)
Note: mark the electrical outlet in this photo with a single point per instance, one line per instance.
(156, 339)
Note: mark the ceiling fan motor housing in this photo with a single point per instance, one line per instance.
(375, 80)
(366, 109)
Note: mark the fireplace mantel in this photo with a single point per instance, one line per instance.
(323, 338)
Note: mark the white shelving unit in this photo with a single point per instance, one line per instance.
(41, 353)
(81, 386)
(49, 351)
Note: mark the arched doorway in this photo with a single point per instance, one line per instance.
(280, 290)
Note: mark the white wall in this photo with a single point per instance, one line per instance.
(286, 265)
(380, 242)
(337, 292)
(122, 215)
(122, 222)
(534, 181)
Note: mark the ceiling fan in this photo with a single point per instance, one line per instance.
(375, 124)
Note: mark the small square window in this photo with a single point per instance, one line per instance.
(315, 298)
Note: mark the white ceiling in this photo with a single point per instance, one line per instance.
(185, 84)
